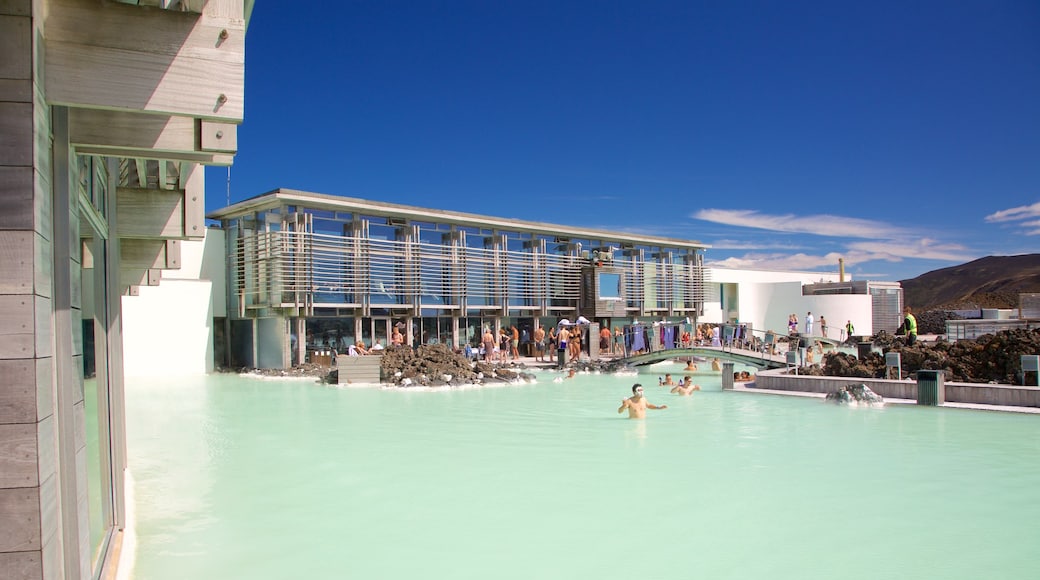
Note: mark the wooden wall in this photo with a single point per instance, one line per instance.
(27, 436)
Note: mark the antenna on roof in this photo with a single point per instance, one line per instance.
(229, 185)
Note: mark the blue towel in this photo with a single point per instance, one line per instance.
(638, 340)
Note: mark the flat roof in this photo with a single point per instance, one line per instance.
(324, 201)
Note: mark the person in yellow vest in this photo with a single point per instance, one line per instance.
(909, 326)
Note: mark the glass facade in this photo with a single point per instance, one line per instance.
(443, 275)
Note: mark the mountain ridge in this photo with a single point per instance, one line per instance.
(990, 282)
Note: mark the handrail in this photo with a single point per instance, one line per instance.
(734, 338)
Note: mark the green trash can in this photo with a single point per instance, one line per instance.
(931, 388)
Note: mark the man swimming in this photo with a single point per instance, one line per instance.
(637, 404)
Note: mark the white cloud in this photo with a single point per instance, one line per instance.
(1032, 228)
(859, 253)
(923, 249)
(1016, 213)
(746, 245)
(780, 261)
(821, 225)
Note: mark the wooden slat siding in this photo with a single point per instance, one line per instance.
(44, 328)
(18, 397)
(50, 530)
(152, 134)
(150, 213)
(16, 46)
(44, 368)
(20, 516)
(18, 467)
(16, 125)
(359, 369)
(15, 90)
(48, 466)
(41, 265)
(16, 327)
(16, 196)
(21, 565)
(16, 265)
(143, 60)
(16, 8)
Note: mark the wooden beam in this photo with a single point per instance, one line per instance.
(136, 254)
(131, 278)
(114, 56)
(141, 167)
(128, 130)
(217, 137)
(219, 160)
(194, 183)
(150, 213)
(156, 136)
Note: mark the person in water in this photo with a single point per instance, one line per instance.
(637, 404)
(686, 387)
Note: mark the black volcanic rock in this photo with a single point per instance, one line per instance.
(989, 358)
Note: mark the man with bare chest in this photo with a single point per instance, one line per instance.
(637, 404)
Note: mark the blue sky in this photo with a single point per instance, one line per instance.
(901, 136)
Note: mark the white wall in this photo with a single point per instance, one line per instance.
(764, 299)
(168, 328)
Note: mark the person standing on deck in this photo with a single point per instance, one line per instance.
(539, 344)
(823, 325)
(909, 326)
(514, 344)
(489, 345)
(808, 323)
(562, 337)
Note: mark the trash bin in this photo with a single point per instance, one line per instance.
(931, 388)
(727, 376)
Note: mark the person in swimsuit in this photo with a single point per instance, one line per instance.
(637, 404)
(489, 345)
(686, 387)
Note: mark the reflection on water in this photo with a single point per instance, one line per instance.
(384, 483)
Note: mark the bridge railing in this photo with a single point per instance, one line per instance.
(736, 338)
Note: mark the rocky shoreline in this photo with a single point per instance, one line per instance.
(992, 358)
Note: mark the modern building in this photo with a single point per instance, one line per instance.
(108, 110)
(308, 270)
(886, 299)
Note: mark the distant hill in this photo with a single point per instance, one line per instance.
(990, 282)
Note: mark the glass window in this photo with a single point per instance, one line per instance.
(609, 285)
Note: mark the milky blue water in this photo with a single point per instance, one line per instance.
(246, 478)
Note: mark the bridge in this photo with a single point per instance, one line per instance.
(761, 360)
